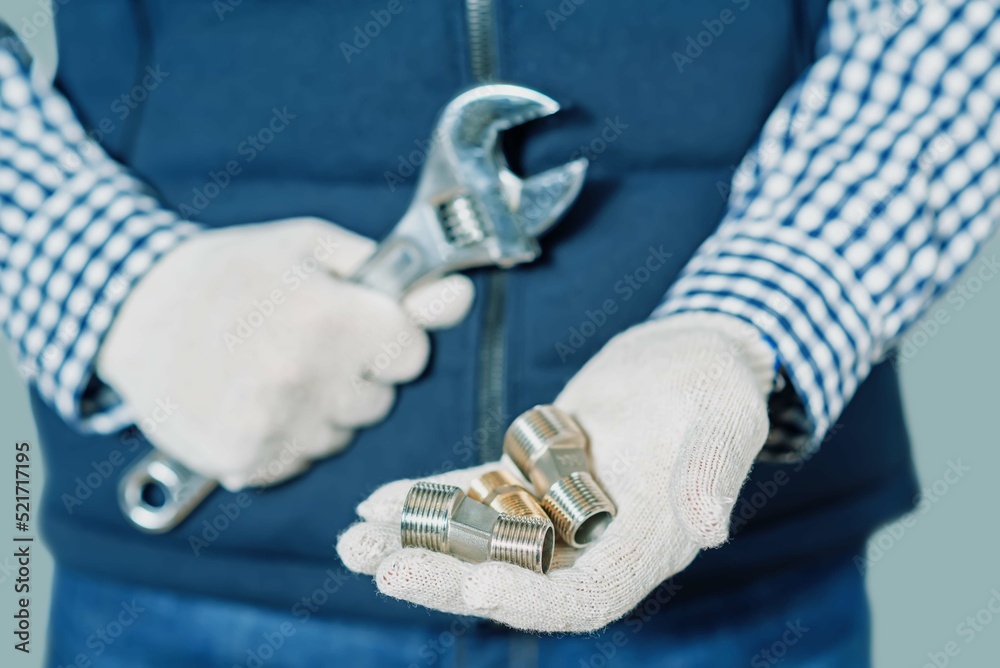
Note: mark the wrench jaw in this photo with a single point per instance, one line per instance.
(469, 130)
(469, 209)
(457, 220)
(518, 209)
(472, 121)
(541, 200)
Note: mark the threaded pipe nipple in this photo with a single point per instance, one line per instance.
(426, 512)
(579, 508)
(527, 542)
(504, 493)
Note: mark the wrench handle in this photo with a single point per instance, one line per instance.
(397, 264)
(182, 488)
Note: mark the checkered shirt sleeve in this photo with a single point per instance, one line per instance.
(871, 186)
(77, 230)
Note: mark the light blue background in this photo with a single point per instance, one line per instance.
(927, 574)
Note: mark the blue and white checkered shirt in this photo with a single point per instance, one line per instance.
(76, 232)
(872, 185)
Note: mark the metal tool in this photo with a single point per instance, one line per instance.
(550, 449)
(469, 210)
(443, 519)
(181, 490)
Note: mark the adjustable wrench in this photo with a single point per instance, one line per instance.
(469, 210)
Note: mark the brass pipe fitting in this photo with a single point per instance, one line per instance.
(443, 519)
(550, 449)
(504, 493)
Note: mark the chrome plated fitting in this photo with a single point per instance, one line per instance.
(503, 492)
(550, 449)
(443, 519)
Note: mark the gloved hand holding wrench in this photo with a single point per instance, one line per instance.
(240, 408)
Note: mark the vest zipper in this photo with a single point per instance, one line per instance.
(483, 55)
(480, 18)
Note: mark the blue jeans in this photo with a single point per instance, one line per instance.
(815, 616)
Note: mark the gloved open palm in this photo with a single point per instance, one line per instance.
(676, 413)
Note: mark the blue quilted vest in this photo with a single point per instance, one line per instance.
(663, 97)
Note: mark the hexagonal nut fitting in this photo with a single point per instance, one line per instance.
(550, 449)
(504, 493)
(443, 519)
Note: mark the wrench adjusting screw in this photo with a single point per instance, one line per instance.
(550, 449)
(443, 519)
(461, 221)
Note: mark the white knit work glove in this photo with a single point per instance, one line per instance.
(676, 413)
(266, 356)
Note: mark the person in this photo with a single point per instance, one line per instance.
(776, 193)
